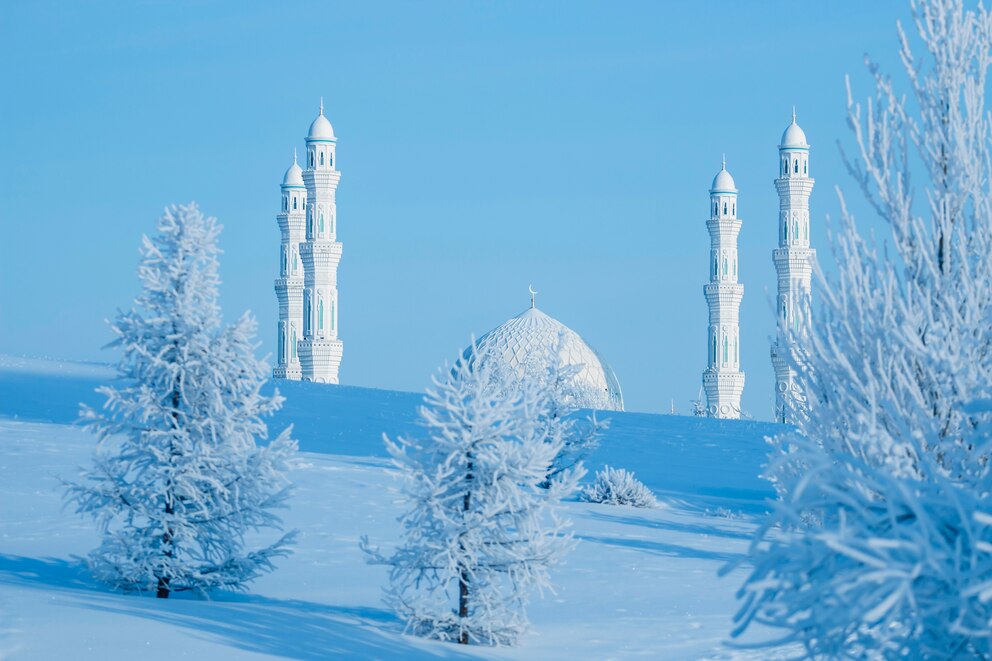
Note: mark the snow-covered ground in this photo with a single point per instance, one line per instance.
(641, 583)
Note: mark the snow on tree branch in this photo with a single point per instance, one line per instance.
(479, 534)
(880, 543)
(178, 478)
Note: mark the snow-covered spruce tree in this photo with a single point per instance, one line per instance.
(880, 544)
(617, 486)
(480, 535)
(178, 479)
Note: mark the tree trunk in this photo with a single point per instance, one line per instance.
(167, 537)
(463, 574)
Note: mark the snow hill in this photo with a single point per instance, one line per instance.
(641, 583)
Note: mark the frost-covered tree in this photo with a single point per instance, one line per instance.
(699, 405)
(617, 486)
(550, 377)
(880, 544)
(480, 535)
(178, 478)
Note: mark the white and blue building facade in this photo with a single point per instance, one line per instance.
(723, 380)
(307, 290)
(793, 263)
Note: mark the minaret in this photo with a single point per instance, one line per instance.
(723, 379)
(289, 284)
(320, 349)
(793, 260)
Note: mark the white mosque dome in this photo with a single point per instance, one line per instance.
(321, 128)
(532, 335)
(723, 181)
(294, 175)
(794, 136)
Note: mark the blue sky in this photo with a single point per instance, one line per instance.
(484, 146)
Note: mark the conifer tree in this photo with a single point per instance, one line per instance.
(881, 544)
(178, 477)
(480, 534)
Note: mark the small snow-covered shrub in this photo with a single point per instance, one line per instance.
(616, 486)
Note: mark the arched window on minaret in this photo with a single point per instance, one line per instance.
(804, 166)
(320, 314)
(321, 158)
(733, 209)
(726, 350)
(294, 202)
(334, 310)
(795, 230)
(306, 312)
(795, 168)
(292, 343)
(715, 354)
(724, 208)
(725, 265)
(321, 226)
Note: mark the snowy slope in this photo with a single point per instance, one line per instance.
(640, 583)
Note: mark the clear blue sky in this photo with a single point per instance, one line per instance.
(484, 146)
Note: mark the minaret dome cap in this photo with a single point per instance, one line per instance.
(294, 175)
(794, 135)
(723, 182)
(321, 128)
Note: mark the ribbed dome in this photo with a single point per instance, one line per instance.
(533, 335)
(723, 182)
(294, 175)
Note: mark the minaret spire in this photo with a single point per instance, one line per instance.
(321, 348)
(289, 285)
(533, 296)
(723, 379)
(793, 261)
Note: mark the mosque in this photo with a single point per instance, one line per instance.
(307, 292)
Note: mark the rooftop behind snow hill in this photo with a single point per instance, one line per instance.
(719, 461)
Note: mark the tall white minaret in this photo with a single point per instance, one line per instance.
(723, 379)
(793, 260)
(289, 284)
(320, 349)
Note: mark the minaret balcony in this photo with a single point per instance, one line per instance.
(723, 293)
(794, 258)
(320, 255)
(795, 186)
(321, 179)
